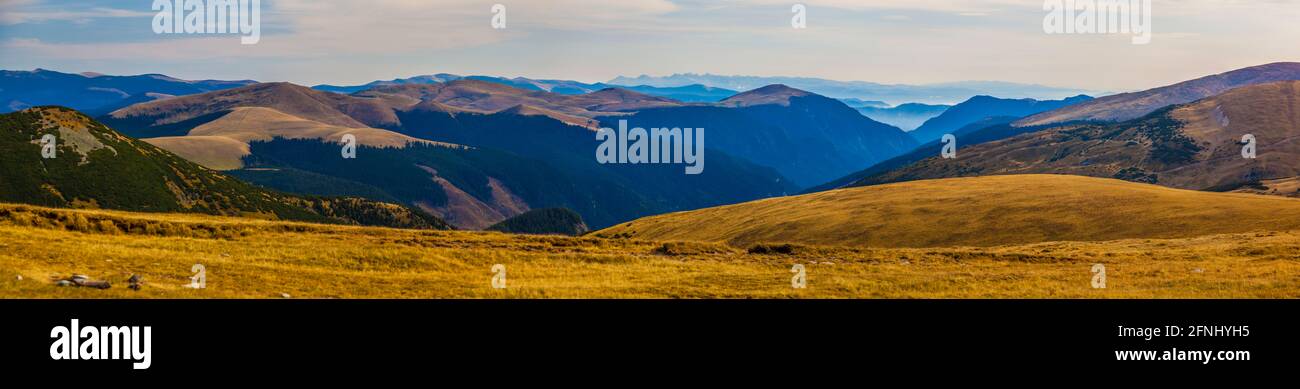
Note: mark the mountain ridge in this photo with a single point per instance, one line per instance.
(1190, 146)
(687, 93)
(942, 93)
(95, 93)
(1127, 106)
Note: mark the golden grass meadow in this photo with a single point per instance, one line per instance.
(269, 260)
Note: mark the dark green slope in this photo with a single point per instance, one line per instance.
(97, 167)
(550, 221)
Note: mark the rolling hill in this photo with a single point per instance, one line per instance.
(144, 120)
(1128, 106)
(222, 144)
(1191, 146)
(976, 211)
(487, 97)
(97, 167)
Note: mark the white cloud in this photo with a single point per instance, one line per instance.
(306, 28)
(14, 12)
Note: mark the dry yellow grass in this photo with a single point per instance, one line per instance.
(262, 259)
(213, 152)
(977, 211)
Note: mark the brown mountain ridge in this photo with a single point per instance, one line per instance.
(1191, 146)
(1128, 106)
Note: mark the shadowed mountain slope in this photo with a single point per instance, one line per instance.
(983, 107)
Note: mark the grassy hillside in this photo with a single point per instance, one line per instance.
(980, 211)
(1192, 146)
(262, 259)
(96, 167)
(1128, 106)
(550, 221)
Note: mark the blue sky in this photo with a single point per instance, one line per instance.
(889, 41)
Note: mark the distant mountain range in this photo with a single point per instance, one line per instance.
(708, 88)
(684, 93)
(94, 93)
(944, 93)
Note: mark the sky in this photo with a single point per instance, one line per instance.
(347, 42)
